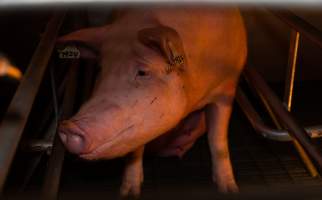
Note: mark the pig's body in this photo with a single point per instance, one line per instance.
(137, 98)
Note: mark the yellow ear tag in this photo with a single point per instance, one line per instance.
(176, 59)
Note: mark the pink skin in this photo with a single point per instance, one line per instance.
(180, 139)
(136, 101)
(117, 114)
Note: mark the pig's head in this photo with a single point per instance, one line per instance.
(139, 93)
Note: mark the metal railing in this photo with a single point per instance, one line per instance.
(14, 121)
(287, 128)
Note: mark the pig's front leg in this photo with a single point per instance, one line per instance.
(133, 174)
(217, 118)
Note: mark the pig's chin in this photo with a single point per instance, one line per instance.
(105, 151)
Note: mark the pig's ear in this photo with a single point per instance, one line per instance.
(168, 42)
(88, 41)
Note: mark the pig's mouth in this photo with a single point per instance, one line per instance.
(99, 151)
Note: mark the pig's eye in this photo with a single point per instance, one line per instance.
(142, 73)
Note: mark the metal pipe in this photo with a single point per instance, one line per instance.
(300, 25)
(37, 145)
(291, 68)
(49, 110)
(44, 145)
(52, 179)
(16, 117)
(53, 172)
(283, 115)
(266, 131)
(288, 95)
(55, 163)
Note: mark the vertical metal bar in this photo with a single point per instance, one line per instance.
(45, 144)
(53, 171)
(290, 73)
(55, 163)
(16, 117)
(52, 178)
(288, 95)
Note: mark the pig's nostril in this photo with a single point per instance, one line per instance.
(74, 143)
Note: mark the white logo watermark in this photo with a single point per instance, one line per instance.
(69, 52)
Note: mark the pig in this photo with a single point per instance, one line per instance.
(168, 74)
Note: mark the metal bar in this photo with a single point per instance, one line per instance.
(49, 109)
(288, 95)
(16, 117)
(44, 145)
(290, 73)
(41, 145)
(283, 115)
(300, 25)
(53, 171)
(55, 163)
(267, 132)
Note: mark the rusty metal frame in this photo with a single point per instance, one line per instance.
(253, 117)
(53, 172)
(300, 25)
(272, 104)
(284, 117)
(16, 117)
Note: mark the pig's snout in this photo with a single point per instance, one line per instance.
(73, 137)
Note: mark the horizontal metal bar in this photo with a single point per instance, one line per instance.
(300, 25)
(266, 131)
(287, 120)
(16, 117)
